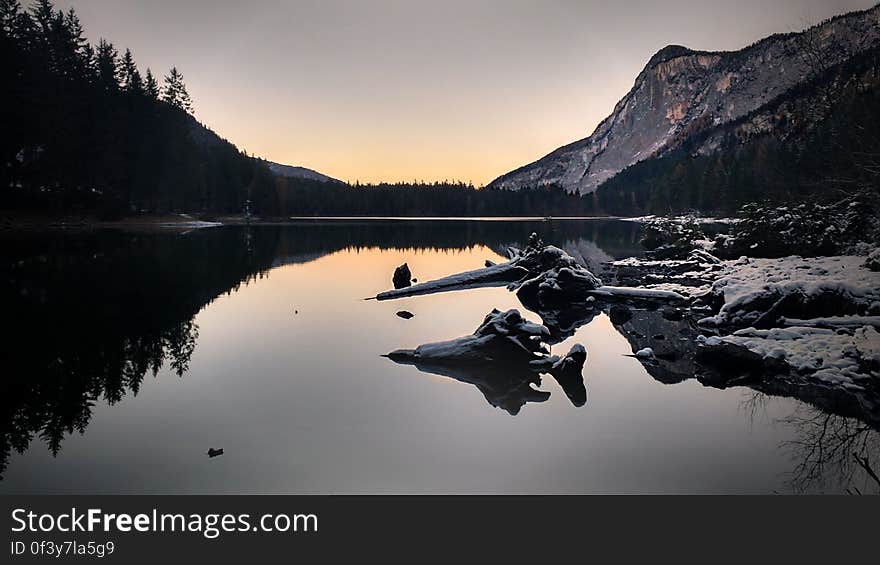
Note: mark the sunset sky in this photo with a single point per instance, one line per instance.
(411, 89)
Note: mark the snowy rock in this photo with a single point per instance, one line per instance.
(816, 353)
(762, 292)
(645, 353)
(872, 263)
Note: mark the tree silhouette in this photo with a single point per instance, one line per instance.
(84, 133)
(9, 10)
(175, 91)
(131, 77)
(151, 87)
(107, 66)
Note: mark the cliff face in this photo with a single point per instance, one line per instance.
(682, 93)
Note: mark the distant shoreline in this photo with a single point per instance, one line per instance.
(451, 218)
(190, 222)
(24, 222)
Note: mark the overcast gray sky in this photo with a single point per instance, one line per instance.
(413, 89)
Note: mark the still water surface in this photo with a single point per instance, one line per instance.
(262, 345)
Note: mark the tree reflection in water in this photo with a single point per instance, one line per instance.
(96, 311)
(829, 451)
(833, 451)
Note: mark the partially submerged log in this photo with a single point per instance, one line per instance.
(542, 275)
(636, 293)
(503, 358)
(503, 337)
(496, 275)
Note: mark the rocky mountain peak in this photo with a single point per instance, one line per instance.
(668, 52)
(683, 92)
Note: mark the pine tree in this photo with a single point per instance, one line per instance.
(69, 45)
(76, 36)
(9, 11)
(175, 91)
(43, 13)
(131, 78)
(107, 66)
(151, 87)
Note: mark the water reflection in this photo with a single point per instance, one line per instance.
(502, 358)
(505, 387)
(828, 451)
(96, 313)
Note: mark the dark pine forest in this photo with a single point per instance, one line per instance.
(87, 132)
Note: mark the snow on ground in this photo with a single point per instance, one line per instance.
(682, 219)
(750, 282)
(644, 293)
(195, 224)
(835, 322)
(819, 315)
(835, 358)
(187, 221)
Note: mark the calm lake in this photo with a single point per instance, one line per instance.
(130, 354)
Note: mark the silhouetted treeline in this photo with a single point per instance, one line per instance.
(312, 198)
(83, 129)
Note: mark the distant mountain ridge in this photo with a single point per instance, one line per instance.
(294, 172)
(682, 93)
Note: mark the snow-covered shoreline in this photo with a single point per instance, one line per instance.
(788, 322)
(682, 219)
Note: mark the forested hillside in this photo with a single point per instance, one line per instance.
(85, 129)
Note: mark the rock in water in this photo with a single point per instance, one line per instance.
(645, 353)
(406, 315)
(402, 276)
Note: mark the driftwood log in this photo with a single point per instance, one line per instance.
(502, 358)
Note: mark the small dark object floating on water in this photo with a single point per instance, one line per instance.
(214, 452)
(405, 314)
(402, 276)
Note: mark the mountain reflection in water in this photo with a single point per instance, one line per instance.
(96, 312)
